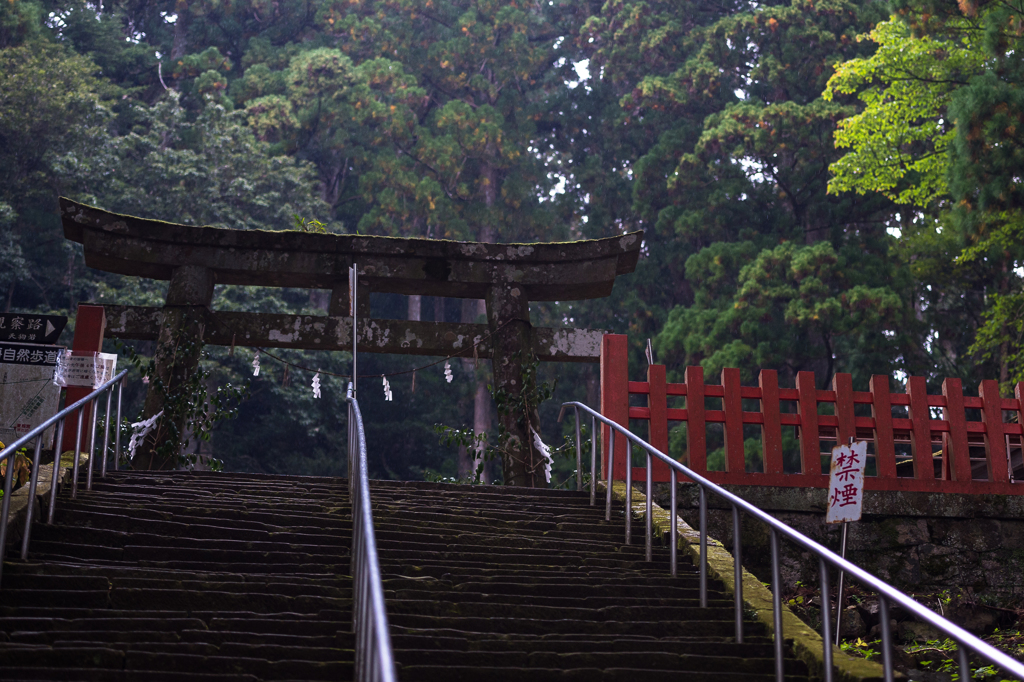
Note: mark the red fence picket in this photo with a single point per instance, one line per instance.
(940, 450)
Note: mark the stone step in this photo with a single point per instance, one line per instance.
(18, 674)
(651, 659)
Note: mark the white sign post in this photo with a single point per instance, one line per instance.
(845, 499)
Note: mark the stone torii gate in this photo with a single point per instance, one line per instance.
(506, 276)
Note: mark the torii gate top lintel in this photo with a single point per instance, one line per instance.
(506, 276)
(140, 247)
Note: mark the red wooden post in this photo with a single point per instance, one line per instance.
(995, 439)
(90, 324)
(881, 410)
(657, 427)
(810, 444)
(842, 384)
(955, 453)
(771, 429)
(920, 430)
(732, 404)
(696, 432)
(614, 399)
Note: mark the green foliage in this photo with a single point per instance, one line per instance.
(899, 142)
(944, 96)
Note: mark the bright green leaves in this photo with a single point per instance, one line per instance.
(899, 141)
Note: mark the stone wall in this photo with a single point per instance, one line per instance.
(920, 542)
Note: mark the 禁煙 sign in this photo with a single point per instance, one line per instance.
(846, 482)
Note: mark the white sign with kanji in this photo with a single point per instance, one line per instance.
(846, 482)
(85, 368)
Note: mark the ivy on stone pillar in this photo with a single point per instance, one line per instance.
(179, 348)
(513, 363)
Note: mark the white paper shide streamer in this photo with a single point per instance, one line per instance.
(140, 430)
(316, 385)
(256, 364)
(447, 371)
(387, 388)
(545, 452)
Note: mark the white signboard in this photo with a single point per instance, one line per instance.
(85, 368)
(27, 394)
(846, 482)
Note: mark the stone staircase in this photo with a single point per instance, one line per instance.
(178, 576)
(485, 582)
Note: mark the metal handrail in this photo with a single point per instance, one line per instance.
(59, 419)
(966, 641)
(375, 661)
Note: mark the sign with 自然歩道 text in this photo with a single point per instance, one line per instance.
(28, 395)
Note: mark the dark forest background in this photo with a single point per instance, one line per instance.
(710, 124)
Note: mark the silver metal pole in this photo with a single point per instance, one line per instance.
(780, 667)
(965, 663)
(883, 615)
(353, 284)
(611, 467)
(33, 481)
(703, 547)
(78, 454)
(593, 462)
(649, 524)
(5, 510)
(826, 620)
(737, 572)
(579, 454)
(58, 443)
(839, 596)
(673, 539)
(629, 493)
(92, 442)
(106, 433)
(117, 428)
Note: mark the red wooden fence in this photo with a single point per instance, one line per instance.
(998, 439)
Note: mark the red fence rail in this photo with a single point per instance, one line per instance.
(940, 450)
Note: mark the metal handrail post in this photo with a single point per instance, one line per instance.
(673, 539)
(826, 620)
(33, 481)
(579, 454)
(649, 524)
(106, 433)
(780, 667)
(629, 493)
(593, 462)
(117, 427)
(78, 454)
(737, 572)
(703, 522)
(611, 468)
(58, 441)
(92, 442)
(5, 509)
(883, 617)
(965, 663)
